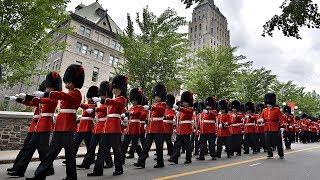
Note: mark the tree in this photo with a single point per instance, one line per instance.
(156, 55)
(252, 84)
(214, 71)
(25, 38)
(287, 91)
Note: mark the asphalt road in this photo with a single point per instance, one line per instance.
(301, 163)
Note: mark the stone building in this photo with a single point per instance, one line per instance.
(209, 27)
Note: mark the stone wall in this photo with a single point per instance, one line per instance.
(13, 129)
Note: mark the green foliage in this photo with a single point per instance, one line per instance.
(156, 55)
(189, 3)
(25, 38)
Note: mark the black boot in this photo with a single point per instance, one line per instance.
(158, 166)
(82, 166)
(93, 174)
(140, 164)
(118, 172)
(16, 174)
(173, 160)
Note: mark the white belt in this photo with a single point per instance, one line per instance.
(168, 121)
(260, 124)
(209, 121)
(157, 119)
(134, 120)
(238, 124)
(142, 122)
(185, 122)
(47, 114)
(86, 118)
(250, 124)
(36, 117)
(102, 119)
(68, 111)
(114, 116)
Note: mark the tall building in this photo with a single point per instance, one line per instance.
(93, 45)
(209, 27)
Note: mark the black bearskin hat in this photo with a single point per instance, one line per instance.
(210, 101)
(223, 105)
(135, 95)
(120, 82)
(187, 97)
(304, 115)
(42, 86)
(170, 100)
(105, 89)
(235, 104)
(93, 91)
(144, 100)
(287, 109)
(74, 74)
(198, 106)
(242, 108)
(249, 106)
(160, 90)
(53, 80)
(260, 107)
(270, 98)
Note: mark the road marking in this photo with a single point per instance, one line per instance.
(256, 164)
(227, 165)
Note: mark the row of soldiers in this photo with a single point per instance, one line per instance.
(106, 121)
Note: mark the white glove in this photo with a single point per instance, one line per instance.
(146, 107)
(10, 98)
(22, 95)
(123, 115)
(38, 94)
(246, 116)
(260, 120)
(125, 121)
(220, 125)
(205, 111)
(282, 129)
(96, 99)
(90, 111)
(290, 127)
(175, 107)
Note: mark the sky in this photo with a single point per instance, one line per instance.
(288, 58)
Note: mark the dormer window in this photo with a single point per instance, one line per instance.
(100, 12)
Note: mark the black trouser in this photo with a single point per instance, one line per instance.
(82, 136)
(158, 139)
(108, 141)
(180, 141)
(134, 138)
(289, 137)
(261, 141)
(274, 139)
(60, 140)
(224, 141)
(304, 136)
(195, 143)
(39, 141)
(142, 139)
(211, 139)
(21, 152)
(297, 135)
(250, 140)
(168, 141)
(236, 141)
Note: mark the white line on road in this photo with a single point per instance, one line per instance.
(256, 164)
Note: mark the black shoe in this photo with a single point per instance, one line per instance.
(158, 166)
(140, 165)
(10, 169)
(81, 166)
(173, 160)
(200, 158)
(281, 157)
(270, 157)
(130, 156)
(255, 152)
(196, 154)
(188, 162)
(108, 166)
(16, 174)
(214, 158)
(64, 162)
(67, 178)
(94, 174)
(50, 172)
(117, 172)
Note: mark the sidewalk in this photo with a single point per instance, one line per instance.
(7, 157)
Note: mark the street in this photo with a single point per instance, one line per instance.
(301, 162)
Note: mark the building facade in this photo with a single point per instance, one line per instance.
(208, 28)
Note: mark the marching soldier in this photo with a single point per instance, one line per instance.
(111, 137)
(155, 127)
(168, 123)
(236, 127)
(288, 123)
(66, 123)
(250, 135)
(223, 132)
(184, 128)
(297, 128)
(207, 126)
(272, 119)
(260, 128)
(304, 128)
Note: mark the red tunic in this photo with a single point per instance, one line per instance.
(116, 107)
(143, 119)
(272, 119)
(225, 121)
(250, 121)
(48, 107)
(70, 102)
(86, 120)
(305, 124)
(184, 123)
(207, 122)
(134, 120)
(260, 125)
(168, 121)
(236, 123)
(101, 115)
(36, 114)
(155, 123)
(288, 123)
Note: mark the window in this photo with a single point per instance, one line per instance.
(118, 46)
(113, 44)
(116, 61)
(98, 54)
(113, 60)
(81, 48)
(79, 62)
(95, 74)
(85, 31)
